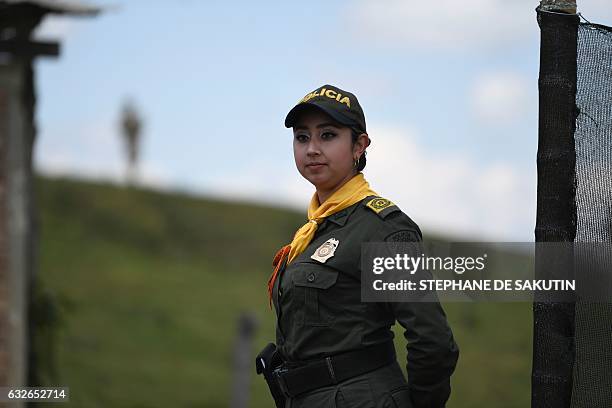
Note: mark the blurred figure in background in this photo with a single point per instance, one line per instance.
(131, 126)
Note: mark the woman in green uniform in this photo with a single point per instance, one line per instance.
(332, 349)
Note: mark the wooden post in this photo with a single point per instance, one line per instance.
(18, 252)
(553, 323)
(4, 270)
(244, 361)
(562, 6)
(16, 237)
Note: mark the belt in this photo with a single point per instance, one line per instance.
(334, 369)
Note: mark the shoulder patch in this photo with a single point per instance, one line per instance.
(381, 206)
(403, 236)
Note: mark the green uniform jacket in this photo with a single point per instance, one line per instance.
(320, 313)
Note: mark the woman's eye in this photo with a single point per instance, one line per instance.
(301, 138)
(328, 135)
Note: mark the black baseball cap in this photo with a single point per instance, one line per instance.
(341, 105)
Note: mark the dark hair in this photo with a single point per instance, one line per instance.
(362, 159)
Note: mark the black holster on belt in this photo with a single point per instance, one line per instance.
(267, 361)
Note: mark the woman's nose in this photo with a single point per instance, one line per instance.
(313, 148)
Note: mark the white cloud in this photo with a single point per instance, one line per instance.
(501, 96)
(149, 174)
(92, 150)
(454, 25)
(450, 192)
(447, 193)
(444, 23)
(272, 183)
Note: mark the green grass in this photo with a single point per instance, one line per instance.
(150, 286)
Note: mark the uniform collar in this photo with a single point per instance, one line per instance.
(341, 217)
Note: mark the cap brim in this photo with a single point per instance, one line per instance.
(299, 108)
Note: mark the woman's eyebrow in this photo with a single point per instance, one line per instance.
(332, 124)
(322, 125)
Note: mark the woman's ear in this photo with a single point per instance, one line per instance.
(362, 142)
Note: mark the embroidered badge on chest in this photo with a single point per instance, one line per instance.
(326, 250)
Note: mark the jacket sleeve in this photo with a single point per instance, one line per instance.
(432, 351)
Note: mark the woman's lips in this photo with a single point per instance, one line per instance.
(315, 166)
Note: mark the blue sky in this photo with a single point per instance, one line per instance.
(449, 92)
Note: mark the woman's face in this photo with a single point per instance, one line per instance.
(323, 150)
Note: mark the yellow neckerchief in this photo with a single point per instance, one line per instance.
(351, 192)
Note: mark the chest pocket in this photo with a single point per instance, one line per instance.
(315, 285)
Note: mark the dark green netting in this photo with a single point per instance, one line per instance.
(592, 374)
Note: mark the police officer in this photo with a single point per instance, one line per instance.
(332, 349)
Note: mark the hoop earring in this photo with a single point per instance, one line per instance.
(356, 163)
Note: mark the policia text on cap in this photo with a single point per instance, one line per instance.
(332, 349)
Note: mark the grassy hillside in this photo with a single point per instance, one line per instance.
(150, 285)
